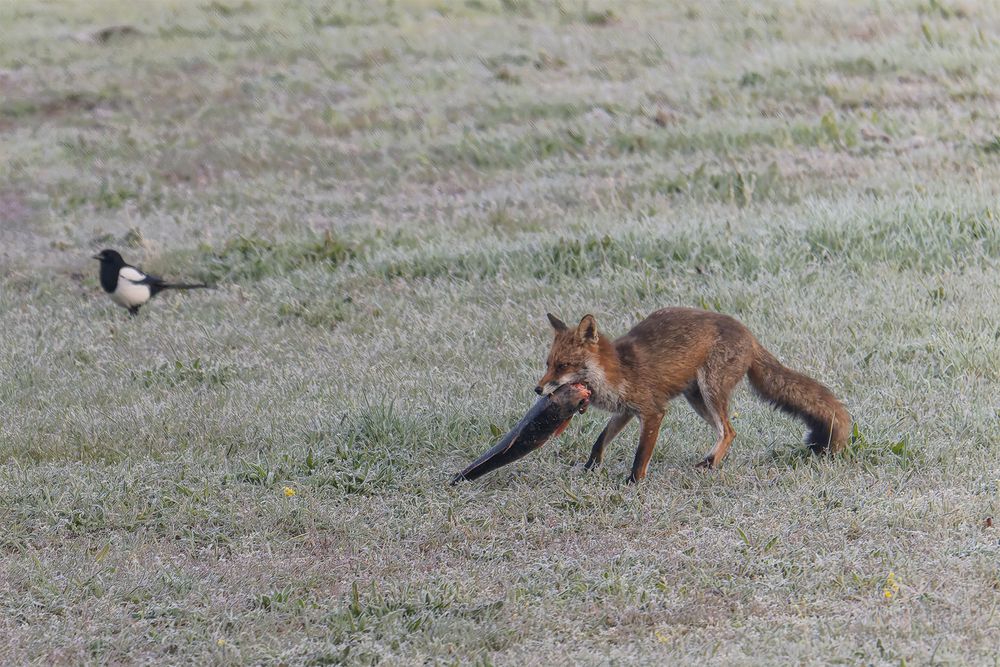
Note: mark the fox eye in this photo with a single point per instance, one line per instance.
(561, 367)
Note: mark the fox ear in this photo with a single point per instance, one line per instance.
(556, 323)
(587, 331)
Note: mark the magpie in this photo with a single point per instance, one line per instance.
(130, 287)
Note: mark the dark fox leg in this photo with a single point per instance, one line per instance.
(716, 383)
(726, 435)
(650, 423)
(695, 400)
(614, 427)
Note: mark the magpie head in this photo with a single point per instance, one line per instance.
(110, 257)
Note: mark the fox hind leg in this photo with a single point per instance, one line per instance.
(614, 427)
(695, 400)
(715, 386)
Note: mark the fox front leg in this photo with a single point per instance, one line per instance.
(650, 423)
(614, 427)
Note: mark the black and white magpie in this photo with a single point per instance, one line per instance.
(130, 287)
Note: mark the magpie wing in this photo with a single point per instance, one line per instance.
(134, 275)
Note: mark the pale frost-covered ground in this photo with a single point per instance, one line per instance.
(390, 196)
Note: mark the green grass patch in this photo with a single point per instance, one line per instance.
(243, 258)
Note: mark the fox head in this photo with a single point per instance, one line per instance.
(574, 352)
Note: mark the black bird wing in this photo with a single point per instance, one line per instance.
(138, 277)
(156, 283)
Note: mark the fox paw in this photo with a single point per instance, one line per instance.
(706, 463)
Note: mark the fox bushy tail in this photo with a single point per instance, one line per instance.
(799, 395)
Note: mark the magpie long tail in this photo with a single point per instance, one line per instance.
(186, 286)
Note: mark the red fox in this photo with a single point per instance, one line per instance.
(700, 354)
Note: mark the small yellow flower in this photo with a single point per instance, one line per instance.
(891, 586)
(221, 642)
(289, 491)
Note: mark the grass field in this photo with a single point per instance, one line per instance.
(390, 196)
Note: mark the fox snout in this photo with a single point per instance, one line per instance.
(546, 387)
(548, 384)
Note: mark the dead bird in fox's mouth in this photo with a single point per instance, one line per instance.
(546, 418)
